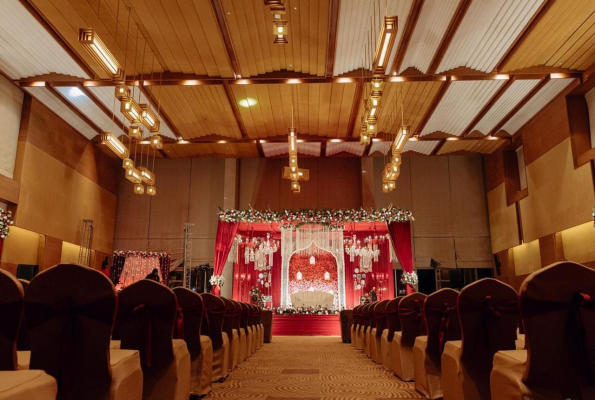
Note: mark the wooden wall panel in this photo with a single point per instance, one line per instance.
(468, 202)
(527, 258)
(558, 194)
(430, 197)
(441, 249)
(579, 243)
(132, 222)
(21, 247)
(401, 196)
(52, 253)
(493, 166)
(503, 220)
(474, 252)
(260, 183)
(340, 184)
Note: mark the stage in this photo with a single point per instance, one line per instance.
(306, 325)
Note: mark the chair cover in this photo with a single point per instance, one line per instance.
(245, 333)
(354, 326)
(267, 323)
(145, 318)
(33, 384)
(372, 332)
(11, 310)
(191, 308)
(393, 323)
(489, 315)
(413, 325)
(232, 334)
(255, 328)
(70, 310)
(379, 315)
(212, 326)
(237, 308)
(367, 327)
(442, 325)
(261, 326)
(23, 339)
(559, 318)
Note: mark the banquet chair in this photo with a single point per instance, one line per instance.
(489, 314)
(244, 339)
(232, 334)
(558, 309)
(260, 326)
(27, 384)
(70, 312)
(442, 325)
(237, 306)
(413, 325)
(379, 326)
(246, 324)
(365, 327)
(255, 329)
(371, 331)
(354, 326)
(212, 325)
(393, 324)
(200, 347)
(145, 318)
(11, 311)
(23, 338)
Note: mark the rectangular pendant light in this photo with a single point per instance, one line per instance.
(371, 127)
(299, 174)
(388, 34)
(150, 119)
(151, 191)
(280, 32)
(131, 110)
(135, 131)
(147, 176)
(295, 186)
(122, 92)
(377, 86)
(293, 162)
(401, 139)
(100, 53)
(292, 141)
(127, 163)
(139, 188)
(111, 141)
(156, 142)
(134, 175)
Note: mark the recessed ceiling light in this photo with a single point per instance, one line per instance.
(182, 141)
(295, 8)
(247, 102)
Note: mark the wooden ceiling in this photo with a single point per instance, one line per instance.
(211, 70)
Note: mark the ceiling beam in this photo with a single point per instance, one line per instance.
(432, 107)
(438, 147)
(323, 148)
(524, 34)
(416, 8)
(357, 98)
(260, 149)
(74, 109)
(162, 114)
(103, 108)
(520, 105)
(332, 37)
(236, 110)
(449, 35)
(367, 149)
(487, 107)
(224, 29)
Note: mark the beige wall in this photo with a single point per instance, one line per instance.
(11, 104)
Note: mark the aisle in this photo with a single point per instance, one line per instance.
(311, 367)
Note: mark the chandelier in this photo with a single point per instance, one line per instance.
(259, 251)
(367, 252)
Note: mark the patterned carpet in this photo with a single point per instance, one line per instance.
(311, 367)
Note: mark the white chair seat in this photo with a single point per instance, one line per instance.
(29, 384)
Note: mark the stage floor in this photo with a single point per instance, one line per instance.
(306, 325)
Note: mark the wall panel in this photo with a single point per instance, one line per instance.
(503, 221)
(11, 104)
(527, 258)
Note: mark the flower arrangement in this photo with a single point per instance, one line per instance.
(291, 217)
(409, 278)
(217, 280)
(365, 299)
(5, 223)
(255, 293)
(143, 254)
(316, 310)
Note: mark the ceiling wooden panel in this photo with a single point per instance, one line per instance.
(425, 147)
(417, 98)
(487, 31)
(251, 28)
(228, 150)
(564, 37)
(547, 93)
(68, 16)
(461, 103)
(186, 35)
(80, 100)
(322, 109)
(353, 32)
(471, 146)
(198, 110)
(426, 38)
(345, 147)
(278, 149)
(380, 147)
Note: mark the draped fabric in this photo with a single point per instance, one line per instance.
(117, 268)
(351, 296)
(276, 279)
(226, 232)
(400, 234)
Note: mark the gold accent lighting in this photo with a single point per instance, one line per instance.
(150, 119)
(156, 142)
(139, 188)
(100, 53)
(135, 132)
(151, 190)
(388, 34)
(295, 187)
(134, 175)
(111, 141)
(131, 110)
(280, 32)
(147, 176)
(122, 92)
(127, 163)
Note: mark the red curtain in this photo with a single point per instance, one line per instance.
(351, 297)
(226, 232)
(275, 290)
(241, 287)
(400, 233)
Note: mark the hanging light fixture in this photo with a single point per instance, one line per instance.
(150, 120)
(131, 110)
(151, 190)
(134, 175)
(295, 186)
(100, 53)
(114, 144)
(135, 131)
(156, 142)
(401, 139)
(280, 32)
(127, 163)
(139, 188)
(147, 176)
(122, 92)
(388, 34)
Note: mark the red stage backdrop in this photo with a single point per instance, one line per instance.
(313, 275)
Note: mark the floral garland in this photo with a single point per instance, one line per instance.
(143, 254)
(217, 280)
(409, 278)
(290, 217)
(317, 310)
(5, 223)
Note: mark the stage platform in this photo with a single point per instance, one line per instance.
(306, 325)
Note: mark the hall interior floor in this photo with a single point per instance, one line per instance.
(311, 367)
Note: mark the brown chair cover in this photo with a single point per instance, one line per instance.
(380, 316)
(489, 315)
(212, 320)
(354, 326)
(389, 323)
(23, 339)
(228, 317)
(255, 328)
(366, 328)
(11, 310)
(411, 316)
(346, 321)
(558, 310)
(70, 310)
(232, 334)
(25, 385)
(393, 322)
(267, 323)
(245, 334)
(442, 321)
